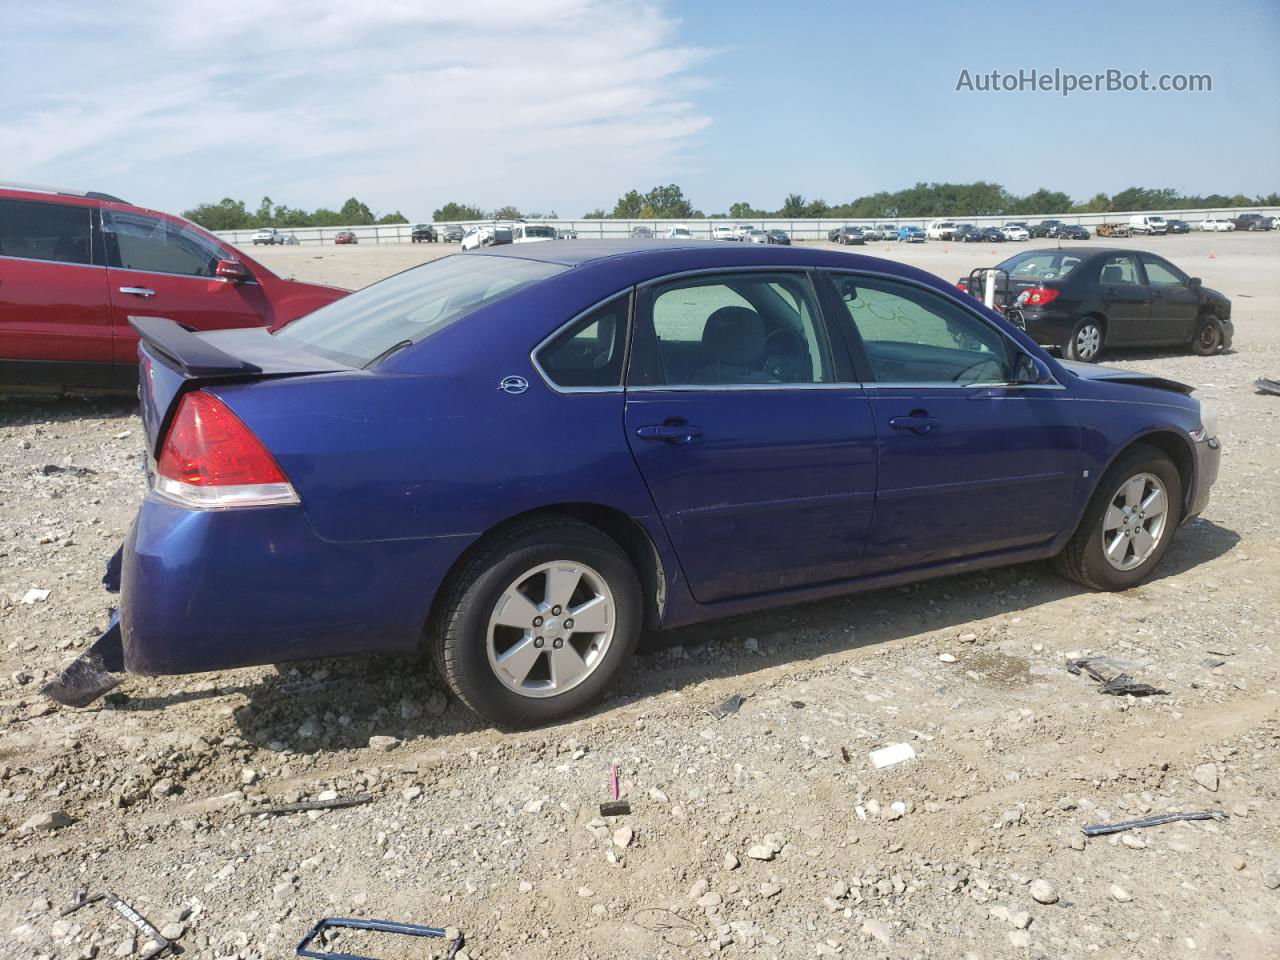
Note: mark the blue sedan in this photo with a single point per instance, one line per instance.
(517, 459)
(911, 235)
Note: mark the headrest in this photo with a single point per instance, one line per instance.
(734, 335)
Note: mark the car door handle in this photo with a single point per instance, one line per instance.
(918, 423)
(139, 291)
(671, 432)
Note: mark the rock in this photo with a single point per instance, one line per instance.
(411, 793)
(622, 837)
(534, 806)
(1120, 894)
(874, 928)
(383, 744)
(968, 637)
(698, 888)
(761, 851)
(1271, 874)
(586, 893)
(657, 795)
(150, 949)
(1077, 842)
(1021, 919)
(172, 931)
(248, 776)
(731, 861)
(710, 899)
(1207, 776)
(1042, 891)
(46, 822)
(35, 595)
(163, 788)
(526, 886)
(770, 889)
(437, 703)
(283, 891)
(947, 657)
(1020, 938)
(839, 890)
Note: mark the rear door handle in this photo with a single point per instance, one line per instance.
(670, 432)
(139, 291)
(919, 422)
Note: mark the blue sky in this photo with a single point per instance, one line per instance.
(565, 104)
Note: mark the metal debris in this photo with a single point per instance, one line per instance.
(1263, 385)
(1112, 676)
(306, 805)
(1099, 829)
(145, 927)
(730, 706)
(378, 926)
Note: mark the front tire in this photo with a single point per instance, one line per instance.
(537, 622)
(1085, 343)
(1128, 524)
(1208, 338)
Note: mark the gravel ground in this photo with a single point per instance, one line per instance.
(766, 833)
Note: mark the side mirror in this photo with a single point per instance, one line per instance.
(1193, 282)
(233, 271)
(1027, 369)
(848, 288)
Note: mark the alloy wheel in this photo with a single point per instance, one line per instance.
(551, 628)
(1088, 341)
(1135, 521)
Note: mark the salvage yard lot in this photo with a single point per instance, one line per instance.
(499, 835)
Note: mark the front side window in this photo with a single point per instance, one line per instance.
(1161, 273)
(911, 335)
(57, 232)
(155, 245)
(589, 354)
(734, 330)
(1119, 269)
(411, 306)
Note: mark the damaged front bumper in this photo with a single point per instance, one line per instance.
(96, 671)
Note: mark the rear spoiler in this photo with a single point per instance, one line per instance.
(188, 352)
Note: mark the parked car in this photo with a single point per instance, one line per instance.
(1217, 225)
(991, 235)
(889, 231)
(1253, 221)
(1015, 231)
(942, 440)
(1046, 229)
(1149, 224)
(1178, 226)
(487, 235)
(723, 231)
(1073, 231)
(75, 266)
(941, 229)
(452, 233)
(872, 233)
(567, 233)
(742, 230)
(345, 236)
(640, 231)
(756, 236)
(269, 237)
(966, 233)
(847, 235)
(290, 239)
(1088, 300)
(910, 234)
(780, 237)
(423, 233)
(532, 232)
(679, 232)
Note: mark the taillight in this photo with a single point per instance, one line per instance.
(963, 285)
(211, 460)
(1040, 296)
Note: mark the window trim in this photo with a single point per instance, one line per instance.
(821, 318)
(630, 293)
(854, 339)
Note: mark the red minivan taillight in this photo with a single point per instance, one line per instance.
(211, 460)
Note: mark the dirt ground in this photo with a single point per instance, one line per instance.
(766, 833)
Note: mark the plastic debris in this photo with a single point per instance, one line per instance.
(730, 706)
(377, 926)
(35, 595)
(888, 756)
(615, 808)
(90, 675)
(1100, 829)
(1264, 385)
(145, 927)
(305, 805)
(1112, 676)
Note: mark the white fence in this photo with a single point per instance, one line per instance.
(797, 229)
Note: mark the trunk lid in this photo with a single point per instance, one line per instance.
(173, 360)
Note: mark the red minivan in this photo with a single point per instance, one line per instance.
(75, 266)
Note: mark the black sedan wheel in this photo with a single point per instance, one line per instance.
(537, 622)
(1208, 338)
(1085, 344)
(1128, 524)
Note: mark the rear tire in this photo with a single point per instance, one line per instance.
(1208, 338)
(511, 572)
(1086, 341)
(1139, 497)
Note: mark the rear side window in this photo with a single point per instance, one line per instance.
(1042, 265)
(57, 232)
(156, 245)
(411, 306)
(589, 354)
(1121, 269)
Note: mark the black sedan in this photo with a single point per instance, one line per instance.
(1046, 229)
(779, 236)
(1073, 231)
(1085, 301)
(990, 235)
(1178, 226)
(846, 235)
(966, 233)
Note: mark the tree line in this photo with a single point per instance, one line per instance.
(669, 203)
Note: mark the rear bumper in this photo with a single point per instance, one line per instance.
(211, 590)
(1208, 456)
(1046, 328)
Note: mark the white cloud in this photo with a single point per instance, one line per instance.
(541, 103)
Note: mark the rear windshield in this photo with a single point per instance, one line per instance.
(411, 306)
(1042, 264)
